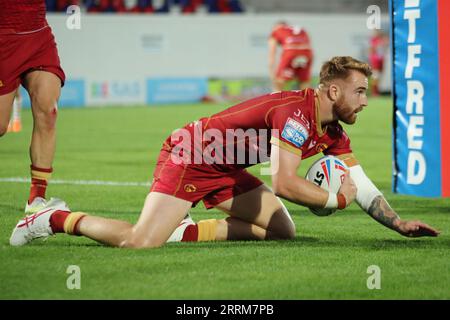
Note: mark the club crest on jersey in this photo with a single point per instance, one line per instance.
(294, 132)
(190, 188)
(321, 147)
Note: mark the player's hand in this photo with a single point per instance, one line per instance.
(348, 189)
(416, 229)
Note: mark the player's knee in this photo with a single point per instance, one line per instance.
(44, 110)
(135, 242)
(3, 128)
(46, 118)
(286, 233)
(282, 227)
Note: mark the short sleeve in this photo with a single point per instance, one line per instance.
(275, 34)
(288, 132)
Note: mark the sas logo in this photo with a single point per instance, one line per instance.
(116, 89)
(294, 132)
(190, 188)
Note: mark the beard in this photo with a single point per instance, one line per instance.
(344, 113)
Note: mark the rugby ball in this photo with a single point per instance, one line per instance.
(328, 173)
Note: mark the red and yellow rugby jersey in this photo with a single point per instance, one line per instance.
(17, 16)
(288, 119)
(290, 37)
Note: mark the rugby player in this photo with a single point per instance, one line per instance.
(28, 56)
(296, 56)
(297, 125)
(379, 44)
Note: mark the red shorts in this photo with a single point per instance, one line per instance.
(199, 182)
(21, 53)
(295, 64)
(376, 62)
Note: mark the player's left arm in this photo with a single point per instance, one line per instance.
(372, 201)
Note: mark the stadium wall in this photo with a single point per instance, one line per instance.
(122, 58)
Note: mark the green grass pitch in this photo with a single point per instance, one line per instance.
(328, 259)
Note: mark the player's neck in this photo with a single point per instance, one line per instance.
(325, 107)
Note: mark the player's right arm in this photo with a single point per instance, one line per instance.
(272, 53)
(288, 185)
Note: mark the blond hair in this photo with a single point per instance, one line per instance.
(340, 67)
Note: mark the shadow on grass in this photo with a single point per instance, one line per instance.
(301, 241)
(311, 242)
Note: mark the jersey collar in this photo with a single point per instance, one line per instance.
(320, 131)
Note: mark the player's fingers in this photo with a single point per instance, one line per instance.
(422, 229)
(431, 230)
(348, 178)
(427, 227)
(428, 232)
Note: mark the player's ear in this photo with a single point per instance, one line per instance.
(334, 92)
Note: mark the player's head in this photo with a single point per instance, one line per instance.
(346, 81)
(281, 23)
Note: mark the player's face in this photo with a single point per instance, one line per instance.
(353, 97)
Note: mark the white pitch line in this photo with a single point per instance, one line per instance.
(82, 182)
(96, 183)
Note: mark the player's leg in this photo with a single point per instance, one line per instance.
(6, 103)
(304, 77)
(255, 215)
(160, 216)
(377, 65)
(278, 84)
(284, 72)
(44, 89)
(374, 82)
(303, 69)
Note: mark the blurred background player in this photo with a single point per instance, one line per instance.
(29, 57)
(379, 44)
(15, 124)
(296, 56)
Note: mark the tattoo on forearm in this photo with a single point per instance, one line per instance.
(382, 212)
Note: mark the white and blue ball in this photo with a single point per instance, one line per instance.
(327, 173)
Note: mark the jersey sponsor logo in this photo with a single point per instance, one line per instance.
(305, 120)
(300, 62)
(294, 132)
(302, 117)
